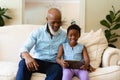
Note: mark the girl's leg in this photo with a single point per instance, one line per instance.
(82, 74)
(67, 74)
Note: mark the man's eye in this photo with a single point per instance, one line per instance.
(55, 22)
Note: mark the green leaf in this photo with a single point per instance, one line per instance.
(107, 34)
(118, 12)
(113, 40)
(105, 23)
(8, 17)
(117, 19)
(112, 15)
(113, 8)
(109, 18)
(117, 26)
(2, 12)
(1, 21)
(3, 15)
(112, 22)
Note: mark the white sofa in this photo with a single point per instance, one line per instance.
(12, 38)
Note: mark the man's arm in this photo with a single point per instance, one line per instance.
(29, 60)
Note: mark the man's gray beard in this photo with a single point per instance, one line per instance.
(53, 32)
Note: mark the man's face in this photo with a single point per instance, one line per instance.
(54, 27)
(54, 21)
(54, 24)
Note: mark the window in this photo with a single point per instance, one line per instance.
(35, 11)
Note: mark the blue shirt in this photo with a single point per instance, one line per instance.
(73, 53)
(45, 47)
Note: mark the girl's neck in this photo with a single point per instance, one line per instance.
(73, 45)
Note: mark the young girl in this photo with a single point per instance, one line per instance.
(73, 51)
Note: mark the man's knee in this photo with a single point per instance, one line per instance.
(22, 63)
(58, 68)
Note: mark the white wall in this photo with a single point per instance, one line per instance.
(96, 10)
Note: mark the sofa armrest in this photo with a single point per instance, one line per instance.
(111, 56)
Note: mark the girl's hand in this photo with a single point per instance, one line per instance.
(84, 67)
(64, 64)
(91, 69)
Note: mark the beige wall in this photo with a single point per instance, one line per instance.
(96, 10)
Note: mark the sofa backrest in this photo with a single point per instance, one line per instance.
(13, 37)
(11, 40)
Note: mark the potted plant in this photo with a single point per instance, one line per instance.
(111, 23)
(3, 15)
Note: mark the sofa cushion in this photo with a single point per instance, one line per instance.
(109, 73)
(7, 70)
(106, 73)
(95, 43)
(38, 76)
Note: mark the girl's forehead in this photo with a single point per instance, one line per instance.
(73, 30)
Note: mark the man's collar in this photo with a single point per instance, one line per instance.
(46, 25)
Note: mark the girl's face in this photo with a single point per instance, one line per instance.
(73, 36)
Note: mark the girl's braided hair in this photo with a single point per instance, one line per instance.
(74, 26)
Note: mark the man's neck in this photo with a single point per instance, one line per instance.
(49, 32)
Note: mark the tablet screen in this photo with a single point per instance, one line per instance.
(73, 64)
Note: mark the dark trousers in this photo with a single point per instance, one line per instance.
(53, 71)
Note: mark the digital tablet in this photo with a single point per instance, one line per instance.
(73, 64)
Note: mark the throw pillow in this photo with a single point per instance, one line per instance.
(95, 43)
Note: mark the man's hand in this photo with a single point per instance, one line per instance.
(31, 64)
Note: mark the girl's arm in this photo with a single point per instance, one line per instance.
(87, 61)
(86, 57)
(60, 54)
(59, 59)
